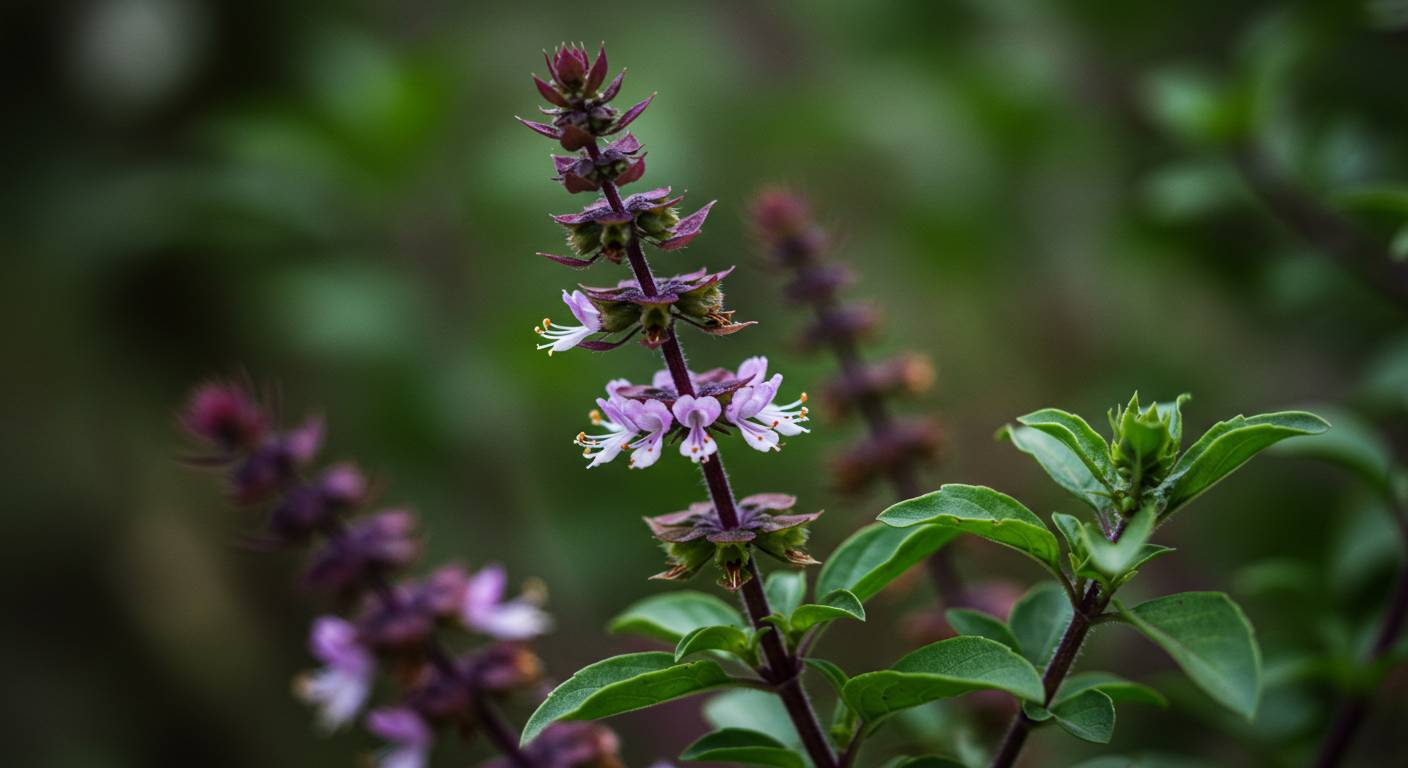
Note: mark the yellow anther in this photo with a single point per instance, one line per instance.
(803, 398)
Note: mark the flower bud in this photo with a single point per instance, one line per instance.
(226, 416)
(504, 667)
(1146, 441)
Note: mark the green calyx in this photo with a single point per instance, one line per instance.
(657, 223)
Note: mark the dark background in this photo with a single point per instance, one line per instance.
(333, 198)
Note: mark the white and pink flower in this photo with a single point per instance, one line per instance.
(485, 610)
(564, 337)
(339, 690)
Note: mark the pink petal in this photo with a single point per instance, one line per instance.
(540, 128)
(570, 261)
(550, 93)
(613, 89)
(598, 73)
(630, 115)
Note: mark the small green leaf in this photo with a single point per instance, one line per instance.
(966, 621)
(1114, 686)
(983, 512)
(1059, 461)
(1112, 559)
(1070, 529)
(1089, 715)
(742, 747)
(1077, 435)
(673, 615)
(721, 638)
(840, 604)
(1211, 640)
(876, 555)
(1149, 552)
(624, 684)
(833, 674)
(1228, 445)
(1038, 621)
(786, 589)
(942, 670)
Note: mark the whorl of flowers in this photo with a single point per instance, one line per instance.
(398, 623)
(895, 446)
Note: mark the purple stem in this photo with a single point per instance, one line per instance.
(1090, 606)
(1354, 709)
(783, 670)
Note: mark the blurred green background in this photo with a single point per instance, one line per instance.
(334, 198)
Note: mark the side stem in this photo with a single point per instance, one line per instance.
(1091, 604)
(782, 670)
(1354, 709)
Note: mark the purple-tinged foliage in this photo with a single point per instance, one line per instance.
(696, 535)
(600, 230)
(625, 310)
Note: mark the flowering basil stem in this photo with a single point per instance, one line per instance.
(397, 622)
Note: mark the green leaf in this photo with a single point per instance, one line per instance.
(1089, 715)
(1038, 621)
(785, 590)
(840, 604)
(671, 616)
(1070, 528)
(833, 674)
(1211, 640)
(721, 638)
(742, 747)
(942, 670)
(928, 761)
(1114, 686)
(1111, 559)
(876, 555)
(752, 710)
(966, 621)
(1078, 436)
(1353, 444)
(1149, 552)
(1228, 445)
(983, 512)
(1060, 462)
(624, 684)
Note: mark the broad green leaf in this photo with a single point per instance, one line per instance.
(876, 555)
(673, 615)
(1077, 435)
(1353, 444)
(966, 621)
(786, 589)
(1211, 640)
(1039, 620)
(1060, 462)
(1296, 578)
(983, 512)
(928, 761)
(1114, 686)
(1228, 445)
(1112, 559)
(624, 684)
(742, 747)
(840, 604)
(752, 710)
(721, 638)
(942, 670)
(1089, 715)
(833, 674)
